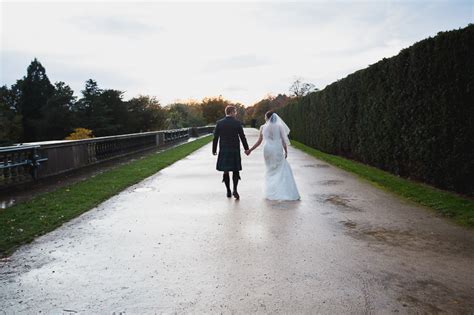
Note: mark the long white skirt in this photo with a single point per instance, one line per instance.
(279, 181)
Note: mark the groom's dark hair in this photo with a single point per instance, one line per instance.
(230, 109)
(268, 114)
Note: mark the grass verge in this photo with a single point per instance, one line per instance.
(459, 208)
(23, 222)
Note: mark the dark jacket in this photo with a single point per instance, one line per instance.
(228, 130)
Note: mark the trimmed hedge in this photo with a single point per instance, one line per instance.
(411, 115)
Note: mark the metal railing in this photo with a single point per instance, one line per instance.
(174, 135)
(19, 163)
(28, 162)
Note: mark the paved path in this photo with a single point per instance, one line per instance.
(174, 242)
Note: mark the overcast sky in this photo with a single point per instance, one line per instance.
(240, 50)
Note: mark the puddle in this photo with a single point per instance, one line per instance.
(408, 239)
(342, 203)
(337, 200)
(409, 301)
(349, 224)
(392, 237)
(433, 297)
(330, 182)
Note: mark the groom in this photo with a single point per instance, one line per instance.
(229, 130)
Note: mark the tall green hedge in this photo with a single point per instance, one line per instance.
(411, 115)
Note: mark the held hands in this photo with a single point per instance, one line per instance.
(247, 152)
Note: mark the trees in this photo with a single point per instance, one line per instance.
(181, 115)
(34, 91)
(57, 118)
(10, 119)
(38, 109)
(300, 89)
(110, 114)
(213, 108)
(33, 109)
(241, 112)
(106, 113)
(102, 111)
(257, 111)
(144, 113)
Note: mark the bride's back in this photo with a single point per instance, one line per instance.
(271, 132)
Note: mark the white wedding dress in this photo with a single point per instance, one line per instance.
(279, 181)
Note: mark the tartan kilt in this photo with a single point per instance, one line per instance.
(229, 160)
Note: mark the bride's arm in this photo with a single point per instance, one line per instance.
(259, 141)
(283, 143)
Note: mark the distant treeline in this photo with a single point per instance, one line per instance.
(255, 114)
(34, 109)
(411, 115)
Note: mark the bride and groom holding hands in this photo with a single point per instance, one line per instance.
(279, 181)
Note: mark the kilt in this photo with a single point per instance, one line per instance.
(229, 160)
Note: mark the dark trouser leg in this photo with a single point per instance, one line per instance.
(235, 179)
(226, 180)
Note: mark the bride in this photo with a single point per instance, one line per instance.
(279, 181)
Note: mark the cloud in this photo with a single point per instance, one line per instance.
(235, 88)
(237, 62)
(63, 68)
(111, 25)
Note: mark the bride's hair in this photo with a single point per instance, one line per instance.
(268, 114)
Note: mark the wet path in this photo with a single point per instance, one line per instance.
(174, 242)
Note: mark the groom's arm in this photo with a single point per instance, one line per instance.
(215, 140)
(242, 138)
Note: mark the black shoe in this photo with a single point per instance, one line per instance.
(229, 194)
(236, 195)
